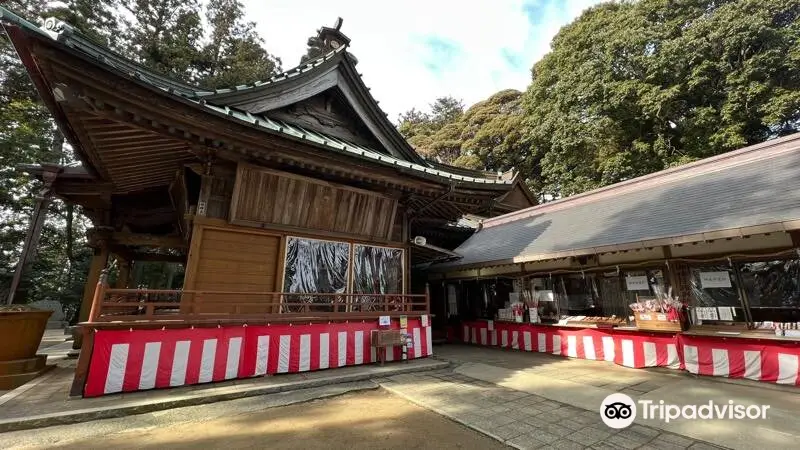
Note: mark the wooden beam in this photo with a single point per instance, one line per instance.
(147, 240)
(34, 233)
(159, 257)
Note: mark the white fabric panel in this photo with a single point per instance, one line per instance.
(429, 341)
(484, 338)
(526, 338)
(494, 337)
(719, 357)
(305, 352)
(234, 352)
(673, 361)
(608, 348)
(556, 344)
(342, 350)
(324, 350)
(504, 338)
(752, 364)
(466, 333)
(690, 359)
(180, 361)
(207, 362)
(284, 353)
(588, 348)
(417, 343)
(787, 368)
(262, 355)
(152, 351)
(572, 346)
(515, 340)
(359, 347)
(628, 355)
(116, 368)
(650, 354)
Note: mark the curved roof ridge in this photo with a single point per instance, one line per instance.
(282, 76)
(763, 150)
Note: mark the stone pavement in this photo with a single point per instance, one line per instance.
(584, 384)
(45, 401)
(524, 420)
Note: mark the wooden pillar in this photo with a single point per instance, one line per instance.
(99, 262)
(34, 231)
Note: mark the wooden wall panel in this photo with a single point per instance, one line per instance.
(267, 197)
(219, 200)
(232, 260)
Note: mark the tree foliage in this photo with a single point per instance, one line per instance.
(235, 53)
(487, 136)
(634, 87)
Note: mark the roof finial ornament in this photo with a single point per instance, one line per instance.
(55, 27)
(326, 41)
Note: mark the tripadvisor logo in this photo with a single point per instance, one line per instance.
(619, 411)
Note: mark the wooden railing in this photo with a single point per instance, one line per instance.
(125, 305)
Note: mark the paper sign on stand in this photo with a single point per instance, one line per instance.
(726, 313)
(403, 322)
(720, 279)
(384, 321)
(637, 283)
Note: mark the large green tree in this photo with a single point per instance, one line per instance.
(164, 35)
(432, 134)
(489, 135)
(235, 53)
(630, 88)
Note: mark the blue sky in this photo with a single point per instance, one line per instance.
(413, 51)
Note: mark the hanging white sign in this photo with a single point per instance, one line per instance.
(715, 280)
(637, 283)
(384, 321)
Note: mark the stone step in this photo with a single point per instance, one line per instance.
(16, 380)
(21, 366)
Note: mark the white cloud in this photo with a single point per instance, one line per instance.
(389, 40)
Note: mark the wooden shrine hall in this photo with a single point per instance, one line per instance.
(294, 203)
